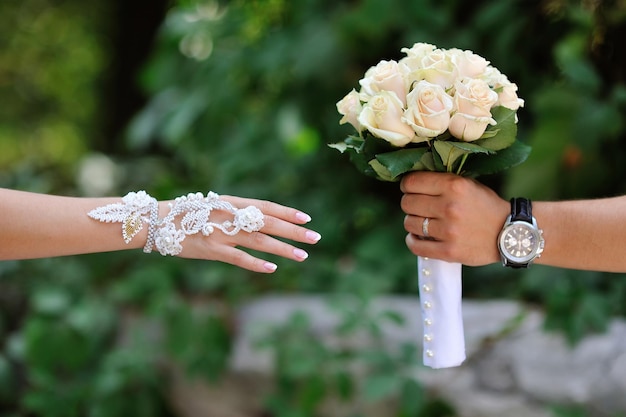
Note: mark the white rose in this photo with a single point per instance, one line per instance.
(468, 63)
(350, 107)
(435, 67)
(385, 76)
(507, 97)
(382, 117)
(467, 127)
(473, 101)
(507, 91)
(428, 111)
(474, 96)
(419, 50)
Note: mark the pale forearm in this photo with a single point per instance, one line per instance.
(37, 225)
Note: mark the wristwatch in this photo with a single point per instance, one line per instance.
(521, 241)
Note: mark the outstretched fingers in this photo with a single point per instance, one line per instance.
(284, 229)
(279, 223)
(270, 208)
(236, 254)
(237, 257)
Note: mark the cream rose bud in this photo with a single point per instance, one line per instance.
(507, 91)
(473, 101)
(385, 76)
(468, 63)
(418, 50)
(468, 128)
(382, 117)
(350, 107)
(474, 97)
(507, 97)
(428, 110)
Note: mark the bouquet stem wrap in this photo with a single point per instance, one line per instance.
(440, 288)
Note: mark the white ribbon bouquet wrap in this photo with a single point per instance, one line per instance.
(440, 301)
(445, 110)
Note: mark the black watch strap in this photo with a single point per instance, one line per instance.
(521, 210)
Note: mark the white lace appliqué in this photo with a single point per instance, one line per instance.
(139, 208)
(131, 212)
(196, 211)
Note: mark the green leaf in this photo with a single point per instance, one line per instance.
(402, 161)
(505, 130)
(470, 147)
(340, 146)
(382, 172)
(351, 142)
(481, 164)
(362, 163)
(489, 133)
(373, 146)
(449, 153)
(363, 152)
(354, 141)
(438, 162)
(428, 161)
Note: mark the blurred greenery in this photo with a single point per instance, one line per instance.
(239, 97)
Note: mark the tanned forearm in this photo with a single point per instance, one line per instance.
(584, 234)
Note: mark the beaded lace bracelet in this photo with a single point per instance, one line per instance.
(195, 210)
(152, 224)
(131, 212)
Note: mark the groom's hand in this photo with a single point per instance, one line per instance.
(465, 217)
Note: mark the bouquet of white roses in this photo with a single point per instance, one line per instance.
(442, 110)
(435, 109)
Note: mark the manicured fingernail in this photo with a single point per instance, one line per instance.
(300, 254)
(303, 217)
(270, 266)
(313, 236)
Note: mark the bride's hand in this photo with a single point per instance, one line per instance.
(280, 222)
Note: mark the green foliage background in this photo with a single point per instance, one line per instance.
(239, 97)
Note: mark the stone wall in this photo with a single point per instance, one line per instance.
(514, 368)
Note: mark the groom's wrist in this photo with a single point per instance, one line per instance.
(521, 240)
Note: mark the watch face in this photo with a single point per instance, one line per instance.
(520, 242)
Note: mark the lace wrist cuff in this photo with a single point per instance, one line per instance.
(131, 212)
